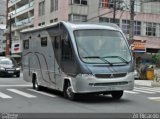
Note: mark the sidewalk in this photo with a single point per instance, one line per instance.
(143, 82)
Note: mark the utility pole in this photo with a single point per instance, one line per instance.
(7, 34)
(114, 11)
(10, 35)
(131, 31)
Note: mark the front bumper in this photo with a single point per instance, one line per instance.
(9, 73)
(95, 85)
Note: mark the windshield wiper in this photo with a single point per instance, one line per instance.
(101, 58)
(122, 59)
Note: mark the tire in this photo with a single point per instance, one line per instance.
(18, 75)
(36, 86)
(117, 94)
(68, 92)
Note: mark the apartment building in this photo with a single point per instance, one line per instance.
(20, 16)
(28, 13)
(2, 25)
(146, 29)
(3, 12)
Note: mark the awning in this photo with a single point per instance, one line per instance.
(151, 42)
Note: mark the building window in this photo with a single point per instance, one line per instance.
(54, 5)
(44, 41)
(42, 8)
(110, 3)
(159, 31)
(137, 28)
(26, 44)
(56, 19)
(51, 21)
(109, 20)
(80, 2)
(103, 3)
(39, 24)
(77, 18)
(43, 23)
(151, 29)
(125, 26)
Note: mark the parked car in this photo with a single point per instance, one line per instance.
(9, 67)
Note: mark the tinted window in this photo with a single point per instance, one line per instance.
(26, 44)
(44, 41)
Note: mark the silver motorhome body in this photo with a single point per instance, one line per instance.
(91, 57)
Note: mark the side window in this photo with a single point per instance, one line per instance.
(57, 42)
(66, 52)
(26, 44)
(44, 41)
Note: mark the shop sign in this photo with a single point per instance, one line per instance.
(139, 46)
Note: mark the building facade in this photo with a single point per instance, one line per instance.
(20, 16)
(29, 13)
(2, 26)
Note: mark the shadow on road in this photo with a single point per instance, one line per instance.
(88, 98)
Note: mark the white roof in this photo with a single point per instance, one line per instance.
(75, 26)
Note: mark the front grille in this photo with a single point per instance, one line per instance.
(109, 84)
(118, 75)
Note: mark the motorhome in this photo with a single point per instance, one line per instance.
(78, 58)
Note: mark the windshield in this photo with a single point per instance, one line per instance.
(6, 61)
(102, 46)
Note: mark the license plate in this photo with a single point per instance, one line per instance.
(10, 72)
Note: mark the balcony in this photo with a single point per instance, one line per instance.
(13, 2)
(23, 23)
(21, 9)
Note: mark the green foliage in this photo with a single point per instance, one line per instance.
(156, 58)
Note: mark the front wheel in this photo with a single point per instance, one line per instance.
(68, 92)
(117, 94)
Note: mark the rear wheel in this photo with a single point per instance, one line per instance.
(68, 91)
(35, 84)
(117, 94)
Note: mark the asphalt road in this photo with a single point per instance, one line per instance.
(17, 96)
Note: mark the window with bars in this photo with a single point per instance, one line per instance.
(151, 29)
(137, 28)
(80, 2)
(54, 5)
(125, 26)
(109, 20)
(77, 18)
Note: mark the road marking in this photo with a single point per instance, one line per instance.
(15, 85)
(142, 91)
(132, 92)
(22, 93)
(2, 95)
(43, 93)
(154, 98)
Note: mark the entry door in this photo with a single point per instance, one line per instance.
(56, 44)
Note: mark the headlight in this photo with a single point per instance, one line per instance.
(18, 68)
(1, 68)
(86, 76)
